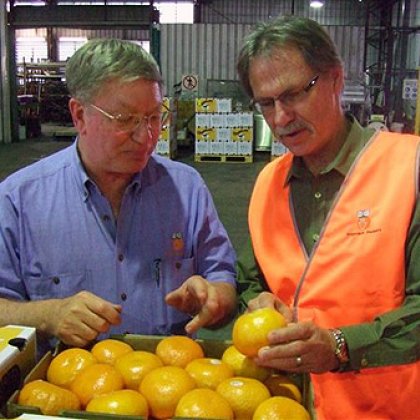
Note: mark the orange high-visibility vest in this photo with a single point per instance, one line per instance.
(355, 272)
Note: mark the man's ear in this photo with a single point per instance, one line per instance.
(338, 77)
(77, 110)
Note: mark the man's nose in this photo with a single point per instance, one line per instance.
(283, 115)
(143, 133)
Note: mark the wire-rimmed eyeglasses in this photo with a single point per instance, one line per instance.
(129, 123)
(287, 99)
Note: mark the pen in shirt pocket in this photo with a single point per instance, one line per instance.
(156, 270)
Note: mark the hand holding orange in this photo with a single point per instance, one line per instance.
(251, 329)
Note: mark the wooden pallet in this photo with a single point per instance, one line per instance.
(223, 158)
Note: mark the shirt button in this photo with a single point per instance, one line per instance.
(315, 237)
(105, 218)
(56, 280)
(123, 296)
(120, 257)
(178, 265)
(318, 195)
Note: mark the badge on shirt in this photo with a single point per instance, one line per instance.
(363, 219)
(177, 243)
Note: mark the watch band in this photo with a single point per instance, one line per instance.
(341, 351)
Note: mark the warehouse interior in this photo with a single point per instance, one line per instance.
(196, 44)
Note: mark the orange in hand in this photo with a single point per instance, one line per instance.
(178, 350)
(251, 329)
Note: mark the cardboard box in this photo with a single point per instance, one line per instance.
(213, 348)
(17, 358)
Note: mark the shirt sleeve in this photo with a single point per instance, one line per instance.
(250, 279)
(11, 285)
(394, 337)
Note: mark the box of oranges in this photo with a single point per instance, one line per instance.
(154, 377)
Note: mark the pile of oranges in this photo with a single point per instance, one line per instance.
(176, 380)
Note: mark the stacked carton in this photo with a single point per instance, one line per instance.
(166, 145)
(221, 134)
(277, 148)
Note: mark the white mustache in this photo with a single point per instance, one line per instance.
(291, 128)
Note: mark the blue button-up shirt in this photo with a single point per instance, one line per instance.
(58, 236)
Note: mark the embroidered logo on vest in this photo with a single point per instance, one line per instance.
(363, 219)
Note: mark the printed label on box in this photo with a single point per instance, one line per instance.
(277, 148)
(242, 134)
(162, 147)
(246, 119)
(201, 147)
(165, 133)
(244, 148)
(231, 148)
(216, 148)
(232, 120)
(218, 120)
(205, 105)
(202, 120)
(224, 105)
(205, 133)
(223, 134)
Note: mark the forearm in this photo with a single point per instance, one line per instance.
(37, 314)
(393, 338)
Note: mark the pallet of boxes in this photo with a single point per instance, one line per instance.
(167, 142)
(220, 134)
(277, 148)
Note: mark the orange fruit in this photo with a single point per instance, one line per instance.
(49, 398)
(163, 388)
(66, 365)
(123, 402)
(243, 365)
(96, 379)
(203, 404)
(178, 350)
(250, 329)
(107, 351)
(208, 372)
(135, 365)
(244, 395)
(281, 385)
(280, 408)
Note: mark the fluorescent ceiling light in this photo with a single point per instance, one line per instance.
(316, 3)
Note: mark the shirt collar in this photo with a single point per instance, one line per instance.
(86, 183)
(356, 139)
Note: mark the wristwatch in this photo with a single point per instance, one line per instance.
(341, 351)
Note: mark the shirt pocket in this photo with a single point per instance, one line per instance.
(170, 273)
(57, 285)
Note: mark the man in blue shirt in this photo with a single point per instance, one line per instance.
(104, 236)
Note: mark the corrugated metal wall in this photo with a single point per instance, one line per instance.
(334, 12)
(210, 51)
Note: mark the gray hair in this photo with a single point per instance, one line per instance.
(101, 60)
(306, 35)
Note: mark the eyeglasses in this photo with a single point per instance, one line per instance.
(129, 123)
(288, 99)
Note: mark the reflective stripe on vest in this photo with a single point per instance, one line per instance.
(360, 257)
